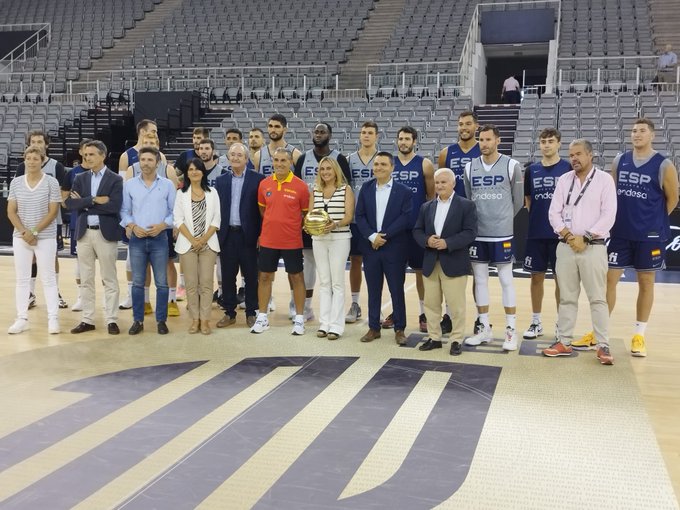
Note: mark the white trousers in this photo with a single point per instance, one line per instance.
(45, 251)
(330, 256)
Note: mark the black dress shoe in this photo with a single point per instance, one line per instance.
(113, 329)
(456, 349)
(162, 328)
(431, 344)
(136, 328)
(82, 328)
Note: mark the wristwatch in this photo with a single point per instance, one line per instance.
(588, 237)
(34, 231)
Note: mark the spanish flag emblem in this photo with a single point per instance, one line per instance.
(656, 253)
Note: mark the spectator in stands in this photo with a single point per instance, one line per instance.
(164, 169)
(131, 156)
(238, 236)
(32, 208)
(333, 194)
(96, 197)
(65, 191)
(541, 244)
(147, 217)
(182, 163)
(668, 62)
(361, 169)
(54, 168)
(197, 217)
(306, 168)
(647, 191)
(445, 228)
(511, 91)
(277, 126)
(494, 183)
(283, 200)
(383, 217)
(416, 173)
(582, 212)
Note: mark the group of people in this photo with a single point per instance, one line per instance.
(244, 211)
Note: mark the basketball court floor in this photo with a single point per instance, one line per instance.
(272, 421)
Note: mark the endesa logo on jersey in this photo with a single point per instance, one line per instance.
(487, 180)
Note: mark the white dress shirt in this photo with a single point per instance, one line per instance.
(382, 196)
(440, 214)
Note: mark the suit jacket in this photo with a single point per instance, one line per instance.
(249, 211)
(110, 186)
(182, 214)
(396, 223)
(460, 229)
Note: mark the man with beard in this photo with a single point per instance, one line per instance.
(276, 129)
(206, 152)
(416, 173)
(457, 155)
(306, 168)
(200, 133)
(255, 143)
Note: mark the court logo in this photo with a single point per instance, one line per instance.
(223, 417)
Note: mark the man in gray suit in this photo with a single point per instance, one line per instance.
(96, 197)
(445, 228)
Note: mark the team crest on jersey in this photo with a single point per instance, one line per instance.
(214, 418)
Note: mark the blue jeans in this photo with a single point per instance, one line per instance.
(154, 251)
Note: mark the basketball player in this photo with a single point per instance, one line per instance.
(276, 129)
(494, 183)
(306, 169)
(255, 141)
(647, 191)
(416, 173)
(131, 156)
(206, 152)
(541, 247)
(199, 133)
(233, 135)
(361, 169)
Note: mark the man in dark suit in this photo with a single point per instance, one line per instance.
(97, 197)
(445, 228)
(238, 235)
(383, 217)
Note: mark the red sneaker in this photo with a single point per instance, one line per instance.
(557, 349)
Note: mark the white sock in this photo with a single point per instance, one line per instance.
(130, 290)
(640, 328)
(219, 289)
(292, 296)
(147, 299)
(422, 306)
(78, 285)
(484, 319)
(308, 302)
(511, 320)
(355, 297)
(172, 294)
(536, 318)
(299, 318)
(261, 316)
(32, 285)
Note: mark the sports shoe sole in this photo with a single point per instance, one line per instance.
(584, 348)
(258, 332)
(557, 354)
(636, 354)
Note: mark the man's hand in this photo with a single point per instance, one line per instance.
(138, 231)
(101, 200)
(74, 194)
(577, 243)
(379, 241)
(154, 230)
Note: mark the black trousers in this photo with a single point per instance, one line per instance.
(235, 253)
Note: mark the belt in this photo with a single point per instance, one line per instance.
(235, 228)
(93, 227)
(594, 241)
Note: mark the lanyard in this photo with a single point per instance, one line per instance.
(583, 190)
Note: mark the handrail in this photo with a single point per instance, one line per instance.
(43, 31)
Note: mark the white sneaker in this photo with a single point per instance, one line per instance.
(510, 342)
(309, 314)
(534, 331)
(77, 306)
(292, 311)
(127, 304)
(298, 328)
(353, 314)
(53, 327)
(18, 326)
(261, 325)
(272, 305)
(483, 337)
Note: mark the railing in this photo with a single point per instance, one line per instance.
(29, 48)
(638, 69)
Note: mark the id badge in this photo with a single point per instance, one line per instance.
(567, 220)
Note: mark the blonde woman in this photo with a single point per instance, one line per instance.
(197, 217)
(331, 249)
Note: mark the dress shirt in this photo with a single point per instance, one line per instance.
(382, 196)
(510, 84)
(95, 181)
(148, 205)
(667, 59)
(595, 212)
(236, 188)
(440, 214)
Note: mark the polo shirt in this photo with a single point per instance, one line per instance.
(284, 202)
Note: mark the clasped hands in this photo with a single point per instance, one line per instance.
(576, 243)
(141, 232)
(436, 243)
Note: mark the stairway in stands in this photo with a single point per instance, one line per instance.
(183, 141)
(504, 117)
